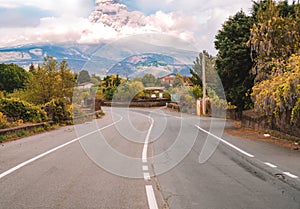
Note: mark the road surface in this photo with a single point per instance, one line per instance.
(147, 158)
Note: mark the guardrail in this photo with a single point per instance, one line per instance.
(28, 127)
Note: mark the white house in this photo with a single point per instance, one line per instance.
(85, 85)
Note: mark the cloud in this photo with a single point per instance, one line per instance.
(59, 7)
(15, 16)
(195, 21)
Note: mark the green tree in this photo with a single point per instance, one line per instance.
(149, 80)
(234, 62)
(212, 79)
(12, 77)
(66, 82)
(197, 92)
(52, 80)
(83, 77)
(109, 85)
(178, 81)
(128, 91)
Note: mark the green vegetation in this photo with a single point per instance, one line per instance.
(279, 96)
(259, 58)
(234, 62)
(149, 80)
(51, 80)
(83, 77)
(12, 77)
(275, 40)
(17, 109)
(44, 93)
(45, 127)
(128, 91)
(214, 90)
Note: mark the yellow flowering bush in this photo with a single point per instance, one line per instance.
(279, 95)
(3, 121)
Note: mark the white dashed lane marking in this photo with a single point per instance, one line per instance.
(290, 175)
(270, 165)
(248, 154)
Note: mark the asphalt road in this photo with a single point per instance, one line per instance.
(147, 158)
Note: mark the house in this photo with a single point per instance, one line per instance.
(169, 79)
(85, 85)
(187, 81)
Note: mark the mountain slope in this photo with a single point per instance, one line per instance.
(156, 64)
(25, 55)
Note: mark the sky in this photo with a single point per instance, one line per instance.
(52, 21)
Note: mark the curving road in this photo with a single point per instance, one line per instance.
(147, 158)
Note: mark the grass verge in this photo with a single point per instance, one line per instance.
(24, 133)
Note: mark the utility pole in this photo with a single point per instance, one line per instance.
(204, 84)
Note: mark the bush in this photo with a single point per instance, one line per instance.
(3, 121)
(279, 95)
(16, 109)
(58, 110)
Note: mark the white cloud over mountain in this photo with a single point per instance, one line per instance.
(190, 20)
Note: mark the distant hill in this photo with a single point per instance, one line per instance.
(27, 54)
(156, 64)
(127, 57)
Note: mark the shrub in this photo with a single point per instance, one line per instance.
(16, 109)
(279, 95)
(3, 121)
(58, 110)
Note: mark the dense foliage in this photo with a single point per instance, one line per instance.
(275, 36)
(83, 77)
(12, 77)
(128, 91)
(52, 80)
(17, 109)
(275, 40)
(109, 86)
(58, 110)
(233, 60)
(149, 80)
(279, 96)
(258, 55)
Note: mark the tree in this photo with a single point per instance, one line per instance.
(83, 77)
(12, 77)
(149, 80)
(128, 91)
(109, 85)
(178, 81)
(275, 40)
(233, 62)
(66, 81)
(212, 79)
(280, 95)
(52, 80)
(275, 36)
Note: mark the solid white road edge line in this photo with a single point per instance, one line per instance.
(290, 175)
(226, 142)
(270, 165)
(145, 149)
(151, 197)
(53, 150)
